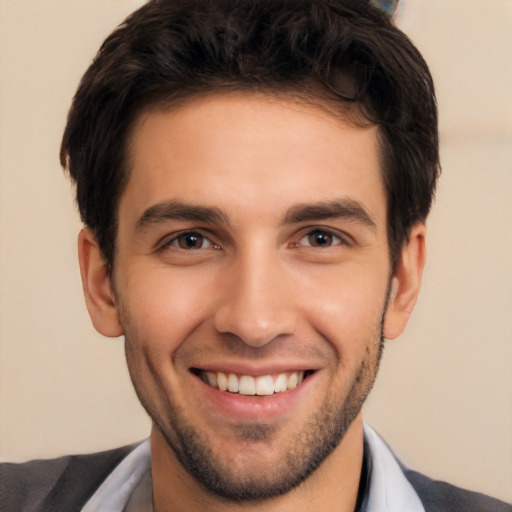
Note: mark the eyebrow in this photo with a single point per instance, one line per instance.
(304, 212)
(341, 208)
(177, 210)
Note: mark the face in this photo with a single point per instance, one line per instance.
(250, 281)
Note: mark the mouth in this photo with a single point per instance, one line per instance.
(250, 385)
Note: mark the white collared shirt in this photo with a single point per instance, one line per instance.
(128, 487)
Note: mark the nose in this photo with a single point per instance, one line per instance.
(257, 304)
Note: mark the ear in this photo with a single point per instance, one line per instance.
(99, 296)
(405, 283)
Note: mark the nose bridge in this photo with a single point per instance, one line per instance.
(257, 302)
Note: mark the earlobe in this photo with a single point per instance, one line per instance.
(99, 296)
(405, 283)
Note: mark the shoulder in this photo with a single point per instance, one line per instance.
(438, 496)
(65, 483)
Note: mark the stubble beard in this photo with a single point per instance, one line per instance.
(312, 444)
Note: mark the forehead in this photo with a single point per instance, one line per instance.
(250, 154)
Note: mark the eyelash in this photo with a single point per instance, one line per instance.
(333, 240)
(170, 242)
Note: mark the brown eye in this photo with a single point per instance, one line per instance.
(320, 239)
(190, 241)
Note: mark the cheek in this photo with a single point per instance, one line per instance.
(160, 308)
(347, 309)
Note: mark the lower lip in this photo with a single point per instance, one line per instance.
(252, 407)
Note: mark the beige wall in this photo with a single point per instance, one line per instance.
(444, 397)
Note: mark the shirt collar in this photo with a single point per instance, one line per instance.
(114, 493)
(388, 489)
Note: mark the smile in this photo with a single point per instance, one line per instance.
(249, 385)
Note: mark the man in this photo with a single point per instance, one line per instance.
(254, 178)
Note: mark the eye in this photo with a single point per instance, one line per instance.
(320, 238)
(189, 241)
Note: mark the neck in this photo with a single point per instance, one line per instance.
(333, 486)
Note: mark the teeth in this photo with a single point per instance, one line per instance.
(233, 383)
(212, 379)
(222, 381)
(264, 385)
(248, 385)
(281, 383)
(293, 381)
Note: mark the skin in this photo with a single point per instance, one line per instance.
(266, 180)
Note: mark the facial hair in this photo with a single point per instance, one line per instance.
(312, 443)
